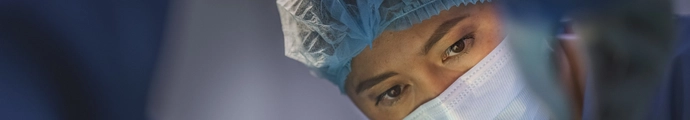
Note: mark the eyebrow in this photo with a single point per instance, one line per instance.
(371, 82)
(441, 31)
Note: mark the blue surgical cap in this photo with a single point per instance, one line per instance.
(326, 34)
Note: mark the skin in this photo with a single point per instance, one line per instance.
(572, 71)
(397, 58)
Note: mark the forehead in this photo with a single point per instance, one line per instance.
(392, 49)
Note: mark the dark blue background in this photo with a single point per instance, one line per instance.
(78, 59)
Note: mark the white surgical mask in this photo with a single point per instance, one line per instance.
(492, 89)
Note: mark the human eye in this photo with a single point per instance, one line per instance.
(458, 47)
(390, 96)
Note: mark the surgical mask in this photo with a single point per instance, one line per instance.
(492, 89)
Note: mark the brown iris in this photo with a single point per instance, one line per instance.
(458, 46)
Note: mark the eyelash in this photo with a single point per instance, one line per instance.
(463, 40)
(400, 89)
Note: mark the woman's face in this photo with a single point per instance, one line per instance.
(407, 68)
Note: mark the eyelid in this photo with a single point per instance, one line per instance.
(381, 94)
(403, 91)
(455, 33)
(468, 39)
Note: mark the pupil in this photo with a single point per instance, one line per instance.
(394, 91)
(458, 46)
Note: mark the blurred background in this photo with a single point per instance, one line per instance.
(225, 60)
(158, 59)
